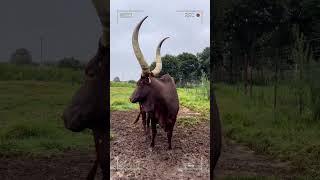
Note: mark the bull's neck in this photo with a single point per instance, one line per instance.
(157, 86)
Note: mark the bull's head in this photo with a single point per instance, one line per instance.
(144, 84)
(88, 105)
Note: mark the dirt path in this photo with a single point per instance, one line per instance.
(131, 157)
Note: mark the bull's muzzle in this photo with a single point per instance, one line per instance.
(133, 100)
(74, 120)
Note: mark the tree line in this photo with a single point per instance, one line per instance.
(270, 43)
(186, 67)
(23, 56)
(253, 37)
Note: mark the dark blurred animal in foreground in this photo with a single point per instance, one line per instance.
(90, 107)
(158, 97)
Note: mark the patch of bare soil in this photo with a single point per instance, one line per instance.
(239, 160)
(131, 157)
(70, 165)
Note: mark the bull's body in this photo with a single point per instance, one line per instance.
(164, 101)
(161, 105)
(166, 106)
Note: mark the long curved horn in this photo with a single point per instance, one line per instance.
(137, 51)
(158, 67)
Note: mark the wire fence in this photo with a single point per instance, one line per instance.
(287, 80)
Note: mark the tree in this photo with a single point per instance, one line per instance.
(204, 60)
(302, 56)
(21, 56)
(170, 66)
(246, 22)
(69, 62)
(116, 79)
(132, 81)
(189, 67)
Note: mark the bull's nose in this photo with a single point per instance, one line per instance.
(133, 100)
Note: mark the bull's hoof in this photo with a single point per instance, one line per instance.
(152, 144)
(147, 138)
(150, 149)
(169, 147)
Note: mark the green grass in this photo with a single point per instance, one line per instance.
(248, 178)
(119, 98)
(284, 135)
(190, 98)
(195, 100)
(43, 73)
(189, 121)
(30, 120)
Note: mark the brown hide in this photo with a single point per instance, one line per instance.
(159, 99)
(88, 106)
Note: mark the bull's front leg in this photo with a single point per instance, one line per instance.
(101, 142)
(144, 121)
(169, 135)
(154, 128)
(148, 124)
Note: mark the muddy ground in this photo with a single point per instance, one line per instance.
(131, 157)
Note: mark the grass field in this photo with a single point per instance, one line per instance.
(30, 114)
(284, 134)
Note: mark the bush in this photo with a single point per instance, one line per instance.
(116, 79)
(132, 81)
(21, 56)
(314, 84)
(69, 62)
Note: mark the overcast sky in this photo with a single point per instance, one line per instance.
(166, 18)
(72, 28)
(69, 28)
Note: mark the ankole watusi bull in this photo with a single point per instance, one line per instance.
(89, 107)
(157, 97)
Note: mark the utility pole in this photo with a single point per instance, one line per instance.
(41, 50)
